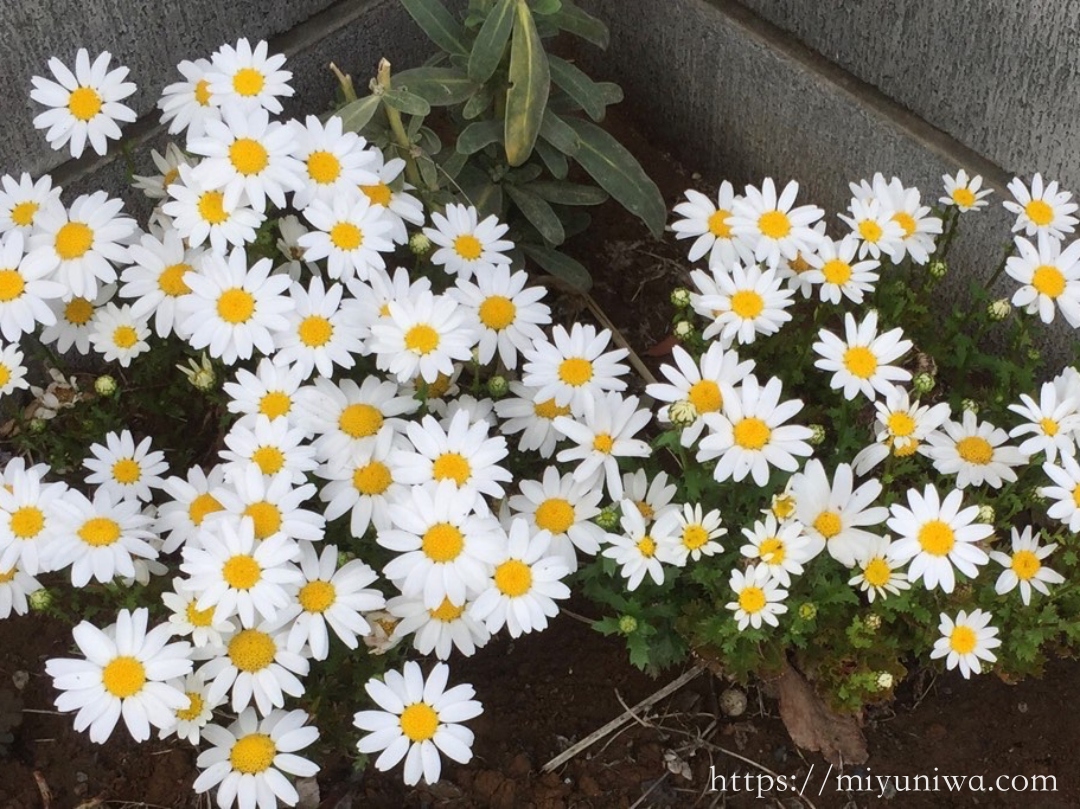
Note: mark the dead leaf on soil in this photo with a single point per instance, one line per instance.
(813, 726)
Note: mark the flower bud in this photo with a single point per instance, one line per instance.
(684, 329)
(817, 434)
(885, 681)
(783, 505)
(40, 599)
(986, 514)
(37, 426)
(808, 611)
(200, 373)
(608, 519)
(938, 268)
(498, 387)
(105, 385)
(999, 309)
(872, 622)
(628, 624)
(683, 413)
(419, 244)
(680, 297)
(923, 383)
(970, 405)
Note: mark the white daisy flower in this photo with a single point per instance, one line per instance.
(85, 105)
(861, 361)
(322, 333)
(524, 585)
(200, 213)
(976, 453)
(935, 535)
(350, 233)
(23, 292)
(759, 597)
(479, 411)
(533, 418)
(99, 538)
(574, 368)
(73, 321)
(401, 206)
(288, 244)
(872, 224)
(696, 532)
(126, 673)
(190, 503)
(966, 641)
(838, 274)
(239, 577)
(705, 384)
(1024, 566)
(604, 434)
(125, 470)
(439, 630)
(1041, 209)
(28, 521)
(205, 627)
(1066, 493)
(157, 186)
(272, 446)
(191, 720)
(964, 193)
(270, 391)
(564, 508)
(834, 513)
(334, 596)
(246, 154)
(15, 585)
(12, 370)
(118, 334)
(902, 429)
(748, 302)
(879, 570)
(1053, 423)
(247, 760)
(771, 226)
(467, 246)
(642, 549)
(155, 280)
(903, 205)
(652, 498)
(781, 548)
(422, 337)
(1049, 276)
(510, 314)
(187, 105)
(363, 484)
(233, 309)
(750, 436)
(373, 297)
(22, 200)
(794, 271)
(335, 162)
(709, 224)
(272, 503)
(418, 721)
(248, 79)
(77, 245)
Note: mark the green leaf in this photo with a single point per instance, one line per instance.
(438, 23)
(356, 114)
(546, 7)
(554, 159)
(616, 171)
(404, 101)
(568, 193)
(579, 87)
(559, 134)
(487, 50)
(560, 265)
(530, 83)
(453, 164)
(610, 92)
(573, 20)
(477, 135)
(480, 101)
(438, 86)
(538, 212)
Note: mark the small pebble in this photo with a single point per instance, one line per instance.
(20, 678)
(733, 702)
(1022, 707)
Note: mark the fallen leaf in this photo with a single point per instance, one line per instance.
(813, 726)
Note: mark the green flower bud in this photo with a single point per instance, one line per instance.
(608, 519)
(986, 514)
(419, 244)
(683, 413)
(884, 681)
(817, 434)
(38, 426)
(40, 600)
(970, 405)
(105, 385)
(808, 611)
(872, 622)
(938, 268)
(684, 329)
(923, 383)
(627, 624)
(680, 297)
(999, 309)
(498, 387)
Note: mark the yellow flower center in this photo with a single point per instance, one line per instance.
(694, 536)
(718, 225)
(269, 459)
(907, 449)
(11, 285)
(963, 640)
(752, 599)
(236, 305)
(372, 479)
(964, 197)
(195, 707)
(252, 650)
(170, 177)
(798, 265)
(555, 515)
(202, 505)
(828, 524)
(446, 612)
(752, 433)
(1039, 212)
(125, 337)
(468, 247)
(747, 304)
(248, 81)
(575, 371)
(421, 339)
(442, 542)
(1049, 426)
(27, 522)
(378, 194)
(202, 92)
(275, 404)
(248, 156)
(603, 443)
(1076, 496)
(773, 551)
(315, 331)
(84, 103)
(836, 271)
(126, 471)
(783, 505)
(346, 236)
(860, 361)
(267, 518)
(451, 466)
(241, 572)
(197, 617)
(99, 532)
(975, 449)
(647, 512)
(877, 572)
(419, 722)
(1025, 564)
(513, 578)
(360, 420)
(438, 388)
(252, 754)
(317, 596)
(171, 280)
(705, 396)
(323, 167)
(1048, 280)
(647, 546)
(123, 677)
(906, 221)
(936, 538)
(8, 575)
(901, 424)
(212, 207)
(23, 213)
(774, 224)
(78, 311)
(497, 312)
(870, 230)
(73, 240)
(549, 410)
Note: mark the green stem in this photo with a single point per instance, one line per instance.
(346, 82)
(1001, 267)
(412, 172)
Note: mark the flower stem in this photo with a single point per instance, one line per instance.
(412, 172)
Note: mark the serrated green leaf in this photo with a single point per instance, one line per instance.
(479, 102)
(439, 86)
(438, 23)
(574, 21)
(555, 160)
(477, 135)
(357, 114)
(559, 134)
(404, 101)
(617, 171)
(487, 50)
(568, 193)
(560, 265)
(576, 84)
(538, 212)
(530, 83)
